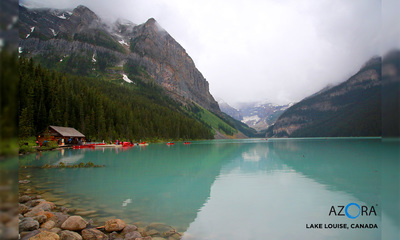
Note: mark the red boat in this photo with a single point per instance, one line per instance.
(127, 144)
(170, 143)
(187, 143)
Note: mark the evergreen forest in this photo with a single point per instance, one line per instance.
(100, 109)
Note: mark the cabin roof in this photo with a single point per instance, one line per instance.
(67, 131)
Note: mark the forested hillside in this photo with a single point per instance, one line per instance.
(101, 109)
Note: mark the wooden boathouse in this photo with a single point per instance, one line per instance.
(61, 135)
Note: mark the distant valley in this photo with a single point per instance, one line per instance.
(257, 115)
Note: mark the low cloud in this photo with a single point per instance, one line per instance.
(254, 50)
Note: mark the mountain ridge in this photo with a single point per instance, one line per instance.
(62, 32)
(351, 108)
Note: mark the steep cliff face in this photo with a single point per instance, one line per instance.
(352, 108)
(92, 46)
(169, 64)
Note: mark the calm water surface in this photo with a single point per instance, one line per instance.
(236, 189)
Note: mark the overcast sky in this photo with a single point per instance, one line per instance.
(257, 50)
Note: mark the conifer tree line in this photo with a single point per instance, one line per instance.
(100, 109)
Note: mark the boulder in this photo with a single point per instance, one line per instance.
(28, 224)
(34, 202)
(93, 234)
(129, 228)
(24, 199)
(59, 218)
(69, 235)
(34, 212)
(27, 235)
(48, 225)
(22, 208)
(46, 206)
(114, 225)
(45, 235)
(132, 235)
(74, 223)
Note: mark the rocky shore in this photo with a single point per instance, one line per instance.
(41, 219)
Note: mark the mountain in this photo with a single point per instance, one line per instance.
(228, 109)
(391, 96)
(144, 58)
(352, 108)
(257, 115)
(79, 42)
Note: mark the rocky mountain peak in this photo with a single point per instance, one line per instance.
(376, 60)
(84, 15)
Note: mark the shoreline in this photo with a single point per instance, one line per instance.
(39, 218)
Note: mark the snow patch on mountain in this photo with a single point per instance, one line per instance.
(126, 79)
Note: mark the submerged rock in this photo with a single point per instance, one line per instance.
(114, 225)
(74, 223)
(132, 235)
(129, 228)
(24, 199)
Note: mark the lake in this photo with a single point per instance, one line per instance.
(232, 189)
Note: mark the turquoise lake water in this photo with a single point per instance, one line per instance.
(233, 189)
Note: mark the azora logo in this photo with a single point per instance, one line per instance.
(352, 211)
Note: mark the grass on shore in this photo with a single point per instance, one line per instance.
(29, 145)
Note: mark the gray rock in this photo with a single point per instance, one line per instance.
(93, 234)
(114, 236)
(69, 235)
(28, 224)
(64, 210)
(59, 218)
(22, 208)
(28, 235)
(129, 228)
(132, 235)
(24, 199)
